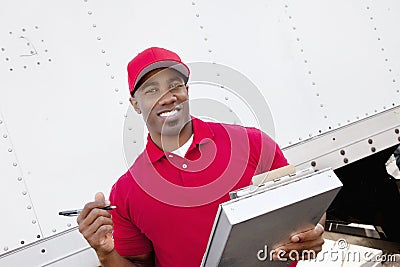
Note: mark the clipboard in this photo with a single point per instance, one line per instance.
(262, 217)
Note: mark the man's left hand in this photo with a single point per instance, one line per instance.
(303, 246)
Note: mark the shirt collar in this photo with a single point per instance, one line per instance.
(202, 133)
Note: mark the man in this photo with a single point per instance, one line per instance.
(167, 201)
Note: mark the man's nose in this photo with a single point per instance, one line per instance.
(167, 98)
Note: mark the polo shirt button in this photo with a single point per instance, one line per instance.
(184, 166)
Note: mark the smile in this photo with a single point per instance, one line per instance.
(168, 113)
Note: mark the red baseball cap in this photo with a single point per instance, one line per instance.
(150, 59)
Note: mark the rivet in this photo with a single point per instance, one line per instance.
(120, 102)
(290, 17)
(339, 124)
(10, 150)
(36, 27)
(386, 59)
(11, 69)
(218, 74)
(290, 142)
(367, 7)
(46, 50)
(366, 114)
(348, 120)
(112, 77)
(2, 49)
(398, 138)
(15, 164)
(390, 70)
(19, 178)
(201, 27)
(116, 90)
(25, 67)
(197, 15)
(1, 122)
(370, 141)
(298, 39)
(205, 39)
(309, 72)
(54, 230)
(29, 207)
(94, 25)
(396, 131)
(43, 250)
(134, 141)
(33, 221)
(226, 98)
(345, 160)
(325, 116)
(99, 38)
(357, 117)
(209, 50)
(5, 135)
(321, 105)
(7, 59)
(23, 30)
(24, 193)
(130, 128)
(373, 149)
(107, 64)
(184, 166)
(379, 39)
(38, 63)
(383, 49)
(313, 163)
(193, 3)
(317, 94)
(103, 51)
(394, 80)
(22, 242)
(384, 107)
(5, 248)
(294, 28)
(68, 225)
(302, 50)
(342, 152)
(371, 18)
(313, 83)
(286, 6)
(90, 13)
(375, 29)
(38, 236)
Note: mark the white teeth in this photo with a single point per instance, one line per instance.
(169, 113)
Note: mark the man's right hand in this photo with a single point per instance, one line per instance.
(96, 226)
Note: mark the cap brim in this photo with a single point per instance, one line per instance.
(178, 66)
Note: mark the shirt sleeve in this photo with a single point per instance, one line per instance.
(128, 239)
(271, 156)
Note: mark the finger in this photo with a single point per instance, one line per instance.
(101, 236)
(88, 208)
(96, 225)
(308, 235)
(99, 196)
(92, 217)
(307, 245)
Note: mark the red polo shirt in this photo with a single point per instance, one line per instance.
(167, 204)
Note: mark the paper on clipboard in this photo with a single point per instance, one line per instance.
(267, 215)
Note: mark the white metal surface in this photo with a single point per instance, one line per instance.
(63, 88)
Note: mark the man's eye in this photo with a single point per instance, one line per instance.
(175, 85)
(151, 91)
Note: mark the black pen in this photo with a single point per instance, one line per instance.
(77, 212)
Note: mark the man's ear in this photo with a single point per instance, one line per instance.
(135, 105)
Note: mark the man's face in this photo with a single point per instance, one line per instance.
(162, 99)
